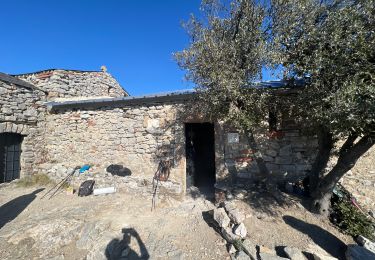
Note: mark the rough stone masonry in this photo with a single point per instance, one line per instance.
(75, 118)
(23, 105)
(22, 111)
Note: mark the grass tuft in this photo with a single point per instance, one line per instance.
(34, 180)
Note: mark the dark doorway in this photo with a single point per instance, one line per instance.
(200, 157)
(10, 152)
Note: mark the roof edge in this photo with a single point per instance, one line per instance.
(16, 81)
(47, 70)
(176, 96)
(282, 85)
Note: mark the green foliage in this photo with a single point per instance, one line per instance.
(226, 55)
(348, 217)
(331, 42)
(353, 222)
(34, 180)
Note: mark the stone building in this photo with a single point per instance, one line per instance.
(23, 112)
(59, 84)
(87, 118)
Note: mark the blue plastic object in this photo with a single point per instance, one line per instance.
(84, 168)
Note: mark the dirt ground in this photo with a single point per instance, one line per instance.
(360, 180)
(71, 227)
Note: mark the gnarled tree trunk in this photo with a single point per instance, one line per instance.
(325, 145)
(349, 154)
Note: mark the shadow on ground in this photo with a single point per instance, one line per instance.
(207, 193)
(324, 239)
(208, 217)
(13, 208)
(267, 202)
(120, 249)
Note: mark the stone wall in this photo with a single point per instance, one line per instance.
(136, 137)
(139, 136)
(288, 154)
(22, 112)
(68, 83)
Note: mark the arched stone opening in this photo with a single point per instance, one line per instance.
(12, 146)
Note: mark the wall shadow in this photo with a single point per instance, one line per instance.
(120, 249)
(170, 149)
(13, 208)
(324, 239)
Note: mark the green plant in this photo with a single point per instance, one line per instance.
(349, 218)
(33, 180)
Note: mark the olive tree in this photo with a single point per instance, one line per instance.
(331, 43)
(225, 56)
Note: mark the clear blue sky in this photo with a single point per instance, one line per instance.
(135, 39)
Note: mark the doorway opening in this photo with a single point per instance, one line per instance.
(200, 157)
(10, 154)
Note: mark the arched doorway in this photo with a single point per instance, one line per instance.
(10, 153)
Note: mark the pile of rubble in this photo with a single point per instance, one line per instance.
(228, 220)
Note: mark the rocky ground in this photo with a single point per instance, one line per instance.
(104, 227)
(360, 181)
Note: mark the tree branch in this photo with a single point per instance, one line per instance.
(238, 20)
(348, 144)
(344, 164)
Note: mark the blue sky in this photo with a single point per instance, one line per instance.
(134, 39)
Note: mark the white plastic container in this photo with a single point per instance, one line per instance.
(107, 190)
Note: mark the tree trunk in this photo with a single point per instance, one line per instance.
(349, 154)
(325, 145)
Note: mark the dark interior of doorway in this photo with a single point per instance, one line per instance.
(10, 152)
(200, 157)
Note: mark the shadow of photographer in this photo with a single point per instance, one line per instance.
(120, 249)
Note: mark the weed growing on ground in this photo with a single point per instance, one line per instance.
(350, 219)
(34, 180)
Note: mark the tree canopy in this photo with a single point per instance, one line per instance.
(327, 43)
(332, 44)
(226, 55)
